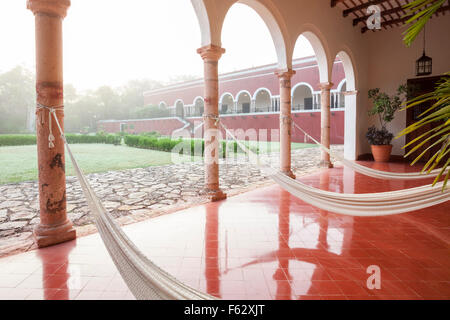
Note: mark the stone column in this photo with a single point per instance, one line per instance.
(211, 55)
(325, 116)
(285, 121)
(54, 225)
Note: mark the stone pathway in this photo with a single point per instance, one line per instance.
(134, 195)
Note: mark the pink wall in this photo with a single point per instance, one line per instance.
(164, 126)
(309, 121)
(250, 81)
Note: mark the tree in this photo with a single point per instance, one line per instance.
(17, 95)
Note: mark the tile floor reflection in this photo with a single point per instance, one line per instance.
(264, 244)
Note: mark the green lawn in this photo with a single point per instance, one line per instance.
(20, 163)
(265, 147)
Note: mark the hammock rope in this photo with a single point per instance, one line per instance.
(366, 205)
(147, 281)
(143, 277)
(373, 172)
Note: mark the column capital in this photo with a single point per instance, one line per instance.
(211, 52)
(284, 73)
(326, 85)
(51, 7)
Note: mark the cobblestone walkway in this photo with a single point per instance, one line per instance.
(133, 195)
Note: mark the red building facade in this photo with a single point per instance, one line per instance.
(249, 100)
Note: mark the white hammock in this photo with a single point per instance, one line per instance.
(372, 172)
(144, 278)
(147, 281)
(367, 205)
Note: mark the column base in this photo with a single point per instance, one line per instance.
(215, 195)
(45, 235)
(325, 164)
(289, 173)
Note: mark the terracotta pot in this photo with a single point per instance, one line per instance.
(381, 153)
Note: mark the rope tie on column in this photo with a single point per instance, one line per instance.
(212, 117)
(51, 111)
(286, 119)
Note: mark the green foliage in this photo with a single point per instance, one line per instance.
(17, 140)
(82, 109)
(17, 97)
(379, 137)
(193, 147)
(384, 105)
(419, 11)
(438, 112)
(22, 140)
(149, 112)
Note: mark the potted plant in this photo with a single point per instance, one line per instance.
(385, 107)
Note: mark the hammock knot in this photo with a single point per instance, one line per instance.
(51, 112)
(286, 120)
(212, 117)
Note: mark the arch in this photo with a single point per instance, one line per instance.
(277, 29)
(321, 51)
(224, 95)
(204, 23)
(244, 101)
(259, 90)
(351, 137)
(226, 103)
(341, 85)
(179, 108)
(263, 100)
(199, 106)
(211, 16)
(302, 96)
(162, 104)
(301, 84)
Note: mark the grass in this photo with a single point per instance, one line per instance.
(265, 147)
(19, 163)
(268, 146)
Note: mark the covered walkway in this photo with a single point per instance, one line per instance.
(264, 244)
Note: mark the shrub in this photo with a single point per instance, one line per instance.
(22, 140)
(149, 141)
(17, 139)
(379, 137)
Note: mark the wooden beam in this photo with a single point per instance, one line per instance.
(383, 13)
(335, 2)
(402, 20)
(362, 6)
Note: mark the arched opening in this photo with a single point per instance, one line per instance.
(302, 97)
(226, 104)
(199, 107)
(260, 32)
(263, 100)
(244, 102)
(342, 88)
(347, 91)
(179, 109)
(163, 105)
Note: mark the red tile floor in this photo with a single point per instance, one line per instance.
(264, 244)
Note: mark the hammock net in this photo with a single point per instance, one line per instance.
(149, 282)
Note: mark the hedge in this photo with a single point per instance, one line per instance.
(22, 140)
(168, 145)
(17, 139)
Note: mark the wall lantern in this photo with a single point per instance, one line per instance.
(424, 65)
